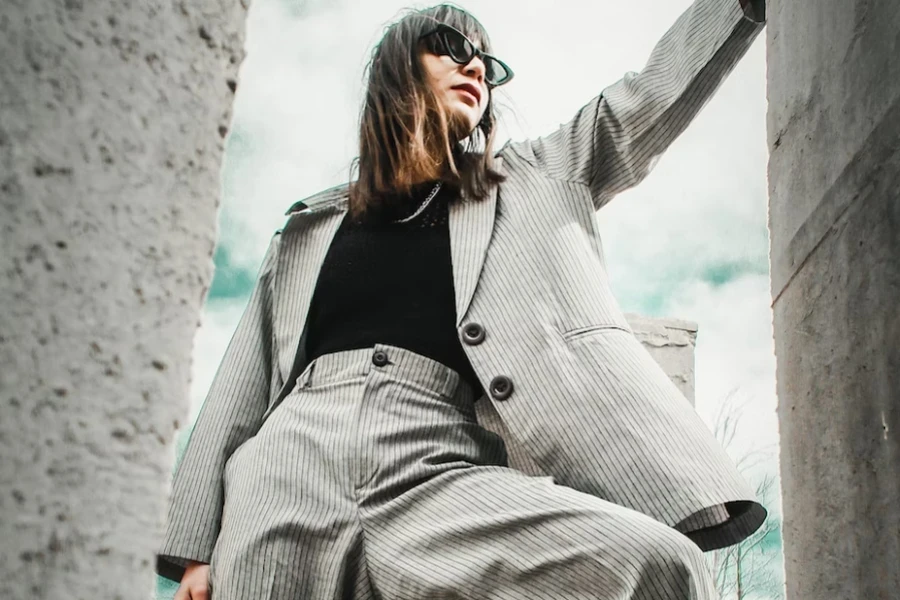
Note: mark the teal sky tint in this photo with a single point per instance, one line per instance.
(233, 278)
(230, 280)
(773, 539)
(648, 291)
(165, 589)
(721, 273)
(238, 145)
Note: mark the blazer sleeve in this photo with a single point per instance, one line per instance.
(232, 413)
(614, 141)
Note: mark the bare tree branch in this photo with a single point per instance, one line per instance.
(749, 569)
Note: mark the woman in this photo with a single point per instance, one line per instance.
(343, 450)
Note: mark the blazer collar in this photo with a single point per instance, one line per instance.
(336, 197)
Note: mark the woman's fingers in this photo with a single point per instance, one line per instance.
(194, 583)
(192, 592)
(201, 593)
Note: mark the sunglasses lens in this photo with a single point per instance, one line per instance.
(458, 47)
(495, 73)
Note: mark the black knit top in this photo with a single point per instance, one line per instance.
(391, 283)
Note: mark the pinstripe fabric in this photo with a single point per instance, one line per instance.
(378, 482)
(589, 407)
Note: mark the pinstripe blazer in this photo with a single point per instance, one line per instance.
(588, 405)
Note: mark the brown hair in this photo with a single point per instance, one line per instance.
(405, 135)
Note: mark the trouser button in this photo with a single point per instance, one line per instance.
(380, 358)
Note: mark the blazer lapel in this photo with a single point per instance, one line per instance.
(471, 224)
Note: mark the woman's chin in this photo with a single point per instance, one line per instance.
(464, 120)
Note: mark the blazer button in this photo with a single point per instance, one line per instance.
(473, 334)
(380, 358)
(501, 387)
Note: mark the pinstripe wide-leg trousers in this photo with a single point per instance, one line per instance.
(377, 482)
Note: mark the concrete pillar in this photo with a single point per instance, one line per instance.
(112, 117)
(834, 185)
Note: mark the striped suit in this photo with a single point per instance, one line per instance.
(567, 383)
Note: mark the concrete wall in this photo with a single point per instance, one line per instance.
(834, 184)
(671, 342)
(111, 132)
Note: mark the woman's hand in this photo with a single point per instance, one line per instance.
(194, 583)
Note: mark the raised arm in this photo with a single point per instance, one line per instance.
(613, 143)
(232, 413)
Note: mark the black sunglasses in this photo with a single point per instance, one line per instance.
(444, 40)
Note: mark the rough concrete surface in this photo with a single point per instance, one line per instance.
(112, 117)
(671, 342)
(834, 177)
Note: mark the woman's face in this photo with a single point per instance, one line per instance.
(460, 88)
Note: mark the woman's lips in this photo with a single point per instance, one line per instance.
(469, 92)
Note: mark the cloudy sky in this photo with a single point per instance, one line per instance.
(690, 242)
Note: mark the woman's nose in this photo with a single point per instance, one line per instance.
(475, 68)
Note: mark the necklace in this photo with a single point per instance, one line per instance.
(424, 205)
